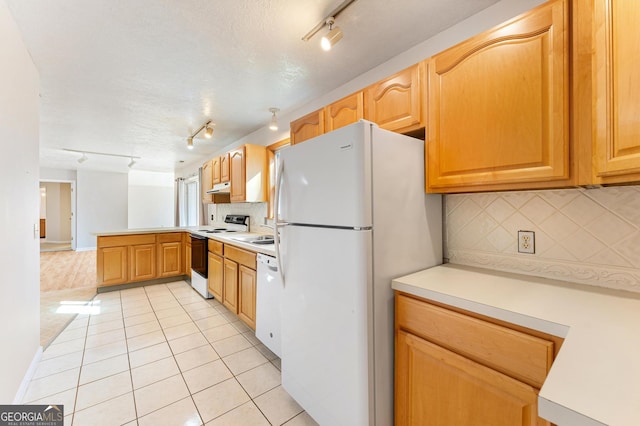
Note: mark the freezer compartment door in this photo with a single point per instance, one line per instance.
(325, 332)
(332, 169)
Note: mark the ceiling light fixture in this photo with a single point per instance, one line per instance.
(335, 34)
(106, 154)
(273, 125)
(332, 37)
(208, 132)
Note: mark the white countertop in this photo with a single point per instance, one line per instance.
(225, 238)
(595, 378)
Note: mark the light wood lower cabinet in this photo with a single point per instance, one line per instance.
(453, 368)
(142, 262)
(247, 296)
(230, 288)
(123, 259)
(112, 265)
(215, 280)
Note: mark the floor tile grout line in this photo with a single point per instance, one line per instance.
(126, 345)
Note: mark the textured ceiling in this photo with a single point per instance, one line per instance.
(135, 77)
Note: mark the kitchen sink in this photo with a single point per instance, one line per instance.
(260, 240)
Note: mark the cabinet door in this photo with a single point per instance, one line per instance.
(230, 290)
(216, 276)
(238, 175)
(169, 259)
(395, 103)
(112, 265)
(307, 127)
(498, 106)
(207, 181)
(617, 109)
(225, 171)
(343, 112)
(142, 262)
(437, 387)
(247, 296)
(215, 171)
(187, 260)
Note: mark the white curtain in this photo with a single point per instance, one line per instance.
(181, 202)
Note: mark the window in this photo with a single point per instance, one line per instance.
(191, 202)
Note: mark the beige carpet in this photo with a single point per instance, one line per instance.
(47, 246)
(67, 283)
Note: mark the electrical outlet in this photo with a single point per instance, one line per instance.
(526, 242)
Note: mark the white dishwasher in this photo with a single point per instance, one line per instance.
(268, 303)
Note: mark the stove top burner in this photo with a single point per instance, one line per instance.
(216, 230)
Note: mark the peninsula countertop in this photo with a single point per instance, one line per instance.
(227, 238)
(595, 378)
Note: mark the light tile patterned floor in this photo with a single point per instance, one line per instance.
(162, 355)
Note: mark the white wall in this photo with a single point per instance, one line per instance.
(19, 214)
(57, 174)
(101, 205)
(151, 200)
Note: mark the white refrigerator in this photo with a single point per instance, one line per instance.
(352, 215)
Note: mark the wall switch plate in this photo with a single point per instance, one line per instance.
(526, 242)
(212, 217)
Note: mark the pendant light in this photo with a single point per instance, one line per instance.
(190, 142)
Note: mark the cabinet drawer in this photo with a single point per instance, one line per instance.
(243, 257)
(172, 237)
(126, 240)
(216, 247)
(512, 352)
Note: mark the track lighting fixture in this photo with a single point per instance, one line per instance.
(332, 37)
(106, 154)
(208, 132)
(273, 125)
(335, 33)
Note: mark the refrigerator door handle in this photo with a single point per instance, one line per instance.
(277, 223)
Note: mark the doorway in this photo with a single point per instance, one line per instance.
(57, 216)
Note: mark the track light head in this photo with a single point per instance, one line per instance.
(332, 37)
(208, 131)
(83, 158)
(273, 125)
(132, 162)
(190, 142)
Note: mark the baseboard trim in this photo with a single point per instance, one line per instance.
(22, 390)
(86, 248)
(117, 287)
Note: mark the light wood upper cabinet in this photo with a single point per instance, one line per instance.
(238, 174)
(142, 262)
(207, 181)
(249, 170)
(395, 103)
(307, 127)
(347, 110)
(225, 174)
(216, 171)
(498, 110)
(616, 91)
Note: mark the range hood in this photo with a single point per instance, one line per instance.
(220, 188)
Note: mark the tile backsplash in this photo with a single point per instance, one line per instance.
(257, 211)
(590, 236)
